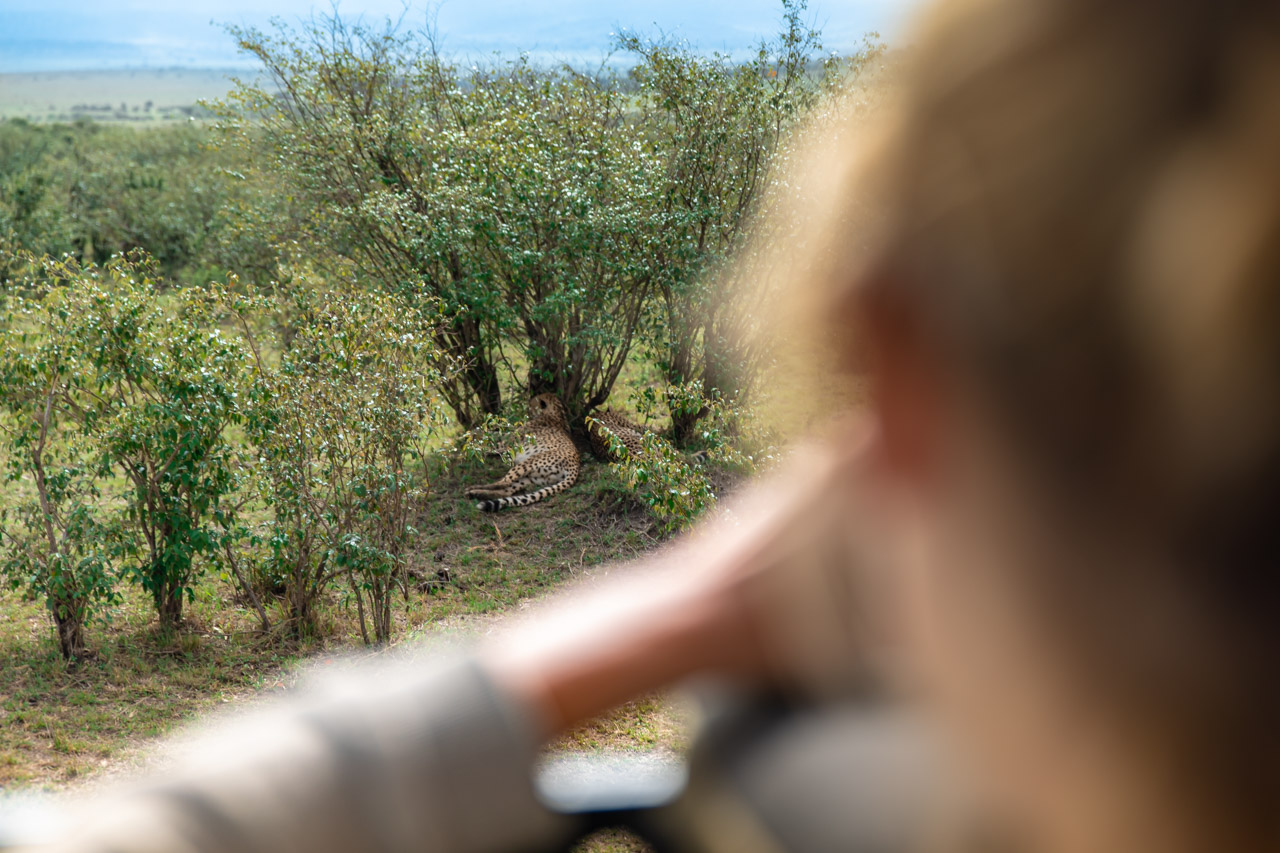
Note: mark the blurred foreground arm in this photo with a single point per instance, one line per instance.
(782, 590)
(397, 761)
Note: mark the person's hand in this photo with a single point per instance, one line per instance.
(796, 566)
(780, 588)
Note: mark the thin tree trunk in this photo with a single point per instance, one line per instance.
(248, 589)
(168, 598)
(70, 629)
(364, 631)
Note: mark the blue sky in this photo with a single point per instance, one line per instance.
(47, 35)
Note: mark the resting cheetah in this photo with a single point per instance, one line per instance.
(547, 463)
(629, 434)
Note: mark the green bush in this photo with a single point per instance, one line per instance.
(673, 484)
(101, 376)
(161, 390)
(728, 434)
(55, 536)
(491, 437)
(335, 425)
(556, 213)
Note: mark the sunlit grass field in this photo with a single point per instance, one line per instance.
(144, 97)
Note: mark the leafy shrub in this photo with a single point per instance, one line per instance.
(55, 541)
(56, 546)
(491, 437)
(728, 432)
(100, 377)
(549, 211)
(672, 484)
(160, 389)
(335, 425)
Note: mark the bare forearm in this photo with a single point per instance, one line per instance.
(753, 596)
(584, 674)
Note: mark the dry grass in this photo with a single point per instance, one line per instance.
(653, 722)
(60, 725)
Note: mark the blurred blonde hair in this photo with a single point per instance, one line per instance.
(1080, 201)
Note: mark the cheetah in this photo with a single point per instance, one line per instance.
(630, 435)
(547, 464)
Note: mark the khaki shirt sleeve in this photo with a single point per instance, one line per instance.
(439, 763)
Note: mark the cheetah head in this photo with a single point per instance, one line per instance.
(546, 406)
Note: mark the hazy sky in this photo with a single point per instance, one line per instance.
(74, 34)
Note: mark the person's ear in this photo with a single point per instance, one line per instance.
(907, 387)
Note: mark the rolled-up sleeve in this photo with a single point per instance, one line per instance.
(441, 762)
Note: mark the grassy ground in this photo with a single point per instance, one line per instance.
(59, 725)
(495, 560)
(62, 728)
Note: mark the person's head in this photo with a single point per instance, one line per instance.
(1070, 309)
